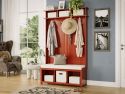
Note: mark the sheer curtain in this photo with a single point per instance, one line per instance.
(10, 16)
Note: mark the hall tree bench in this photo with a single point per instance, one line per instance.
(74, 72)
(63, 74)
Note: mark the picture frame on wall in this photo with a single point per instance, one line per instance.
(61, 4)
(102, 18)
(102, 41)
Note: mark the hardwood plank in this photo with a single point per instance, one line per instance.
(19, 82)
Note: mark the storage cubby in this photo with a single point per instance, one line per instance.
(75, 66)
(78, 71)
(48, 75)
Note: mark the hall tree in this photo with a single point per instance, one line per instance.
(75, 66)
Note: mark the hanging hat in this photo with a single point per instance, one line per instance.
(69, 26)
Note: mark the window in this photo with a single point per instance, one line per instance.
(29, 37)
(30, 11)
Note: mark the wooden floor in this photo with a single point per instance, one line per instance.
(19, 82)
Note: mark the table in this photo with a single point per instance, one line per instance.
(32, 70)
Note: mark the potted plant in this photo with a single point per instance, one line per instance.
(75, 4)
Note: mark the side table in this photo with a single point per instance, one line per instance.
(33, 70)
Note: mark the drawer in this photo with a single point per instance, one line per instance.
(61, 76)
(74, 79)
(48, 78)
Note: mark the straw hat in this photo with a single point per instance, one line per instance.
(69, 26)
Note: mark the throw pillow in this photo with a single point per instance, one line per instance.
(59, 59)
(5, 54)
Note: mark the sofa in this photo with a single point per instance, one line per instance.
(9, 63)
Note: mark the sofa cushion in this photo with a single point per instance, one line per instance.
(5, 54)
(2, 46)
(6, 46)
(9, 45)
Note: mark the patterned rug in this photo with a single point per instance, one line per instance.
(48, 90)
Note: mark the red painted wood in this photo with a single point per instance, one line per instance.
(63, 41)
(67, 48)
(69, 72)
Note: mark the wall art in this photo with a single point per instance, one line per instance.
(101, 18)
(102, 41)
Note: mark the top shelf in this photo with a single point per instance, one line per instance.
(64, 13)
(65, 17)
(62, 9)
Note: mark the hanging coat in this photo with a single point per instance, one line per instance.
(51, 38)
(79, 40)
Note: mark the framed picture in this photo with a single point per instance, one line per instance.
(61, 4)
(102, 41)
(101, 18)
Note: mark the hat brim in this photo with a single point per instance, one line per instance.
(72, 29)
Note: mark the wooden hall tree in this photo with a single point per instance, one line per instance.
(66, 46)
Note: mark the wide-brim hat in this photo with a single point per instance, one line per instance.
(69, 26)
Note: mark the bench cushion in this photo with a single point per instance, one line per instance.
(68, 66)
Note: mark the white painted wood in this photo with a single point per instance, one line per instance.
(101, 83)
(122, 43)
(117, 42)
(68, 66)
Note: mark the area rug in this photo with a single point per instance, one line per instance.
(48, 90)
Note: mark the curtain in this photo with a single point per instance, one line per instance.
(10, 16)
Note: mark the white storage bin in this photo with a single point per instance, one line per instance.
(74, 79)
(61, 76)
(48, 78)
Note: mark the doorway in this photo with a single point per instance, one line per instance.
(122, 51)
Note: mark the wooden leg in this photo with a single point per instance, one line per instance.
(14, 72)
(29, 72)
(35, 74)
(2, 72)
(6, 74)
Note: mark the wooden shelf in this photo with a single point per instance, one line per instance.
(65, 17)
(57, 14)
(62, 9)
(58, 83)
(67, 76)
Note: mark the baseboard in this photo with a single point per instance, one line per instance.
(102, 83)
(122, 84)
